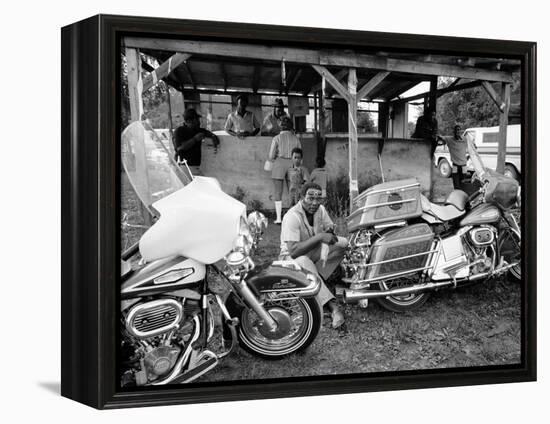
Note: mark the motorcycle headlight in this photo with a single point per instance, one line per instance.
(257, 222)
(244, 231)
(242, 244)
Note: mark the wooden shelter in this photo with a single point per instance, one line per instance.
(217, 67)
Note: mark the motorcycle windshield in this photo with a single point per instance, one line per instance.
(475, 159)
(199, 222)
(197, 219)
(149, 165)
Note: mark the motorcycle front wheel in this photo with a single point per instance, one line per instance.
(403, 303)
(509, 247)
(299, 323)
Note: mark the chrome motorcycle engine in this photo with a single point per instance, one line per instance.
(155, 317)
(157, 332)
(160, 361)
(482, 236)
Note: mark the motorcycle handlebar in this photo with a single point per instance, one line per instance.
(131, 251)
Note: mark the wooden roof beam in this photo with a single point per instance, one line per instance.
(371, 84)
(317, 57)
(494, 95)
(169, 79)
(164, 70)
(442, 91)
(331, 79)
(340, 75)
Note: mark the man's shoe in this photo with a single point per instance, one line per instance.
(337, 319)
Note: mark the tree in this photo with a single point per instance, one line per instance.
(365, 122)
(469, 108)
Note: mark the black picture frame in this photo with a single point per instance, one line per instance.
(91, 211)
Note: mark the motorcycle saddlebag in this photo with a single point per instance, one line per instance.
(391, 201)
(501, 190)
(401, 243)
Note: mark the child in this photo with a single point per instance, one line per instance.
(319, 175)
(296, 175)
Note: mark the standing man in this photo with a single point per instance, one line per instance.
(272, 122)
(280, 154)
(426, 128)
(305, 229)
(457, 149)
(188, 141)
(242, 123)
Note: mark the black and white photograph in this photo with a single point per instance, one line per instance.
(296, 210)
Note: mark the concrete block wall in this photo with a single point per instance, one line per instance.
(238, 164)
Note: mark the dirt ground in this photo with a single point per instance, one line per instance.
(472, 326)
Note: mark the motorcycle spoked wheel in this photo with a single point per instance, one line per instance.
(403, 303)
(301, 321)
(509, 246)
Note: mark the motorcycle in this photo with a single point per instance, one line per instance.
(168, 318)
(403, 247)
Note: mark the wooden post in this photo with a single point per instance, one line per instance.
(503, 127)
(352, 128)
(170, 123)
(323, 118)
(433, 93)
(315, 111)
(209, 114)
(135, 86)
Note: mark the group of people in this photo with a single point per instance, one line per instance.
(306, 229)
(285, 161)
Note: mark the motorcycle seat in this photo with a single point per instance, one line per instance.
(458, 199)
(442, 212)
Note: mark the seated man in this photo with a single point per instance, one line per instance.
(305, 228)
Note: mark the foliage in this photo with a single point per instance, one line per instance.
(251, 204)
(469, 108)
(365, 123)
(337, 202)
(155, 107)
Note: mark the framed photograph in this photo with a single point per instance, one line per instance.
(255, 211)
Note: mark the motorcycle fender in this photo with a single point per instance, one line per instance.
(283, 278)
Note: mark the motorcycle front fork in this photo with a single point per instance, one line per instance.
(243, 292)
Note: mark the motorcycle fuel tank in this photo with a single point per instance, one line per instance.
(482, 214)
(162, 276)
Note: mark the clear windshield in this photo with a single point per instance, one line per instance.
(477, 163)
(149, 165)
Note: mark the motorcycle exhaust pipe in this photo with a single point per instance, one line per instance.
(352, 296)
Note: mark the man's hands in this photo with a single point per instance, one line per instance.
(328, 238)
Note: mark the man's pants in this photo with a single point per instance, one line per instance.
(458, 176)
(312, 262)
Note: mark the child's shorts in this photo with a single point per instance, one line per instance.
(279, 168)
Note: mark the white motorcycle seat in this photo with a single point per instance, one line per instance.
(442, 212)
